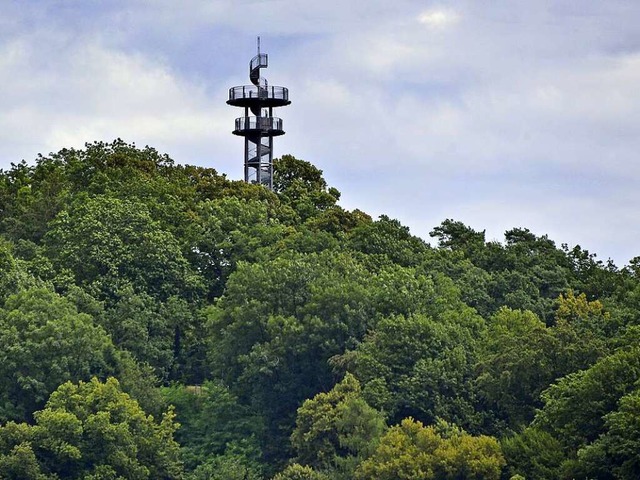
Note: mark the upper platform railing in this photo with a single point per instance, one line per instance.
(263, 93)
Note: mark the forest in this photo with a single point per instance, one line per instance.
(160, 321)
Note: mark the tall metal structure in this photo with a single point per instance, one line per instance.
(259, 128)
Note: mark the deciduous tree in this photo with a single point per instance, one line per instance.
(411, 451)
(93, 431)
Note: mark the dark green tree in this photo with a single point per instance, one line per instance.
(107, 244)
(232, 230)
(516, 364)
(575, 407)
(616, 453)
(279, 322)
(300, 185)
(44, 342)
(421, 366)
(534, 453)
(214, 424)
(388, 239)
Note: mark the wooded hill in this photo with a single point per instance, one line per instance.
(159, 321)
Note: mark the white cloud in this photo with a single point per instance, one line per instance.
(439, 17)
(405, 111)
(66, 94)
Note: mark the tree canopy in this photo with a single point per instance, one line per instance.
(291, 338)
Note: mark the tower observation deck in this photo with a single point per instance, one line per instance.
(258, 126)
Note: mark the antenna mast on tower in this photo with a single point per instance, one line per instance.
(259, 128)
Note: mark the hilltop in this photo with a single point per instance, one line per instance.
(159, 320)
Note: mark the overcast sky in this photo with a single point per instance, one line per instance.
(501, 114)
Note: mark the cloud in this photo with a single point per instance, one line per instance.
(419, 112)
(439, 18)
(61, 93)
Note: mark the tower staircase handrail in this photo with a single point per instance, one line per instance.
(264, 124)
(259, 61)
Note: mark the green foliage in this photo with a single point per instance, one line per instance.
(336, 430)
(587, 318)
(300, 185)
(260, 300)
(516, 365)
(455, 235)
(411, 451)
(421, 366)
(592, 413)
(44, 342)
(521, 357)
(14, 276)
(92, 430)
(616, 453)
(527, 273)
(136, 325)
(388, 239)
(17, 458)
(140, 382)
(108, 244)
(299, 472)
(533, 453)
(232, 230)
(160, 334)
(31, 196)
(214, 424)
(277, 325)
(226, 467)
(575, 408)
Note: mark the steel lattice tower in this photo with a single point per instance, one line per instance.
(258, 129)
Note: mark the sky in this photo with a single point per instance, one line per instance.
(496, 113)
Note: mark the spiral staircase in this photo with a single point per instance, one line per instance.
(258, 126)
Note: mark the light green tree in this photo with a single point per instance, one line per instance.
(299, 472)
(93, 431)
(336, 430)
(411, 451)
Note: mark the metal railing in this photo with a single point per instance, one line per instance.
(258, 123)
(259, 61)
(263, 93)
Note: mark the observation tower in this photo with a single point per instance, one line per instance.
(259, 128)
